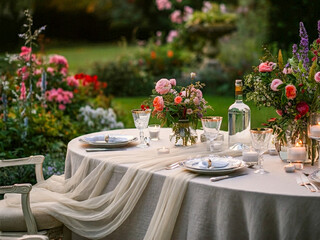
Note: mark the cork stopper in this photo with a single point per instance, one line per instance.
(238, 87)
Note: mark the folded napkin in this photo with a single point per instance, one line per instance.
(215, 163)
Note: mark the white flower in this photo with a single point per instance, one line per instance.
(99, 119)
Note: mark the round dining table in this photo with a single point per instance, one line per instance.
(251, 206)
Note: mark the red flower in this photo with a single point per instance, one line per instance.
(297, 117)
(302, 108)
(314, 58)
(264, 124)
(79, 76)
(291, 91)
(318, 40)
(279, 112)
(272, 119)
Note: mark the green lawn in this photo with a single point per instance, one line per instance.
(81, 57)
(220, 105)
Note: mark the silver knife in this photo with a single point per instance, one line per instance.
(104, 149)
(215, 179)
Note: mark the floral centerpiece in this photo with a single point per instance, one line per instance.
(292, 88)
(179, 107)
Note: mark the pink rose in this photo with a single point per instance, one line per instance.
(72, 81)
(172, 35)
(176, 16)
(163, 86)
(196, 101)
(275, 84)
(279, 112)
(177, 100)
(158, 104)
(62, 107)
(199, 93)
(50, 70)
(291, 91)
(266, 66)
(317, 77)
(60, 60)
(173, 82)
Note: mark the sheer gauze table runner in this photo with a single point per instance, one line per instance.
(79, 202)
(94, 204)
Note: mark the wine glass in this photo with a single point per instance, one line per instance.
(141, 120)
(211, 126)
(314, 129)
(260, 140)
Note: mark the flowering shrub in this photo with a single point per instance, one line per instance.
(135, 76)
(99, 119)
(292, 89)
(40, 103)
(173, 103)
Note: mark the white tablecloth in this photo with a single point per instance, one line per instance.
(254, 206)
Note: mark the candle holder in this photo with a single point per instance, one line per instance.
(250, 156)
(314, 129)
(297, 152)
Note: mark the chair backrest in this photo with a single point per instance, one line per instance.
(36, 160)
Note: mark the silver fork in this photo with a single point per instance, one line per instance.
(301, 182)
(306, 180)
(173, 166)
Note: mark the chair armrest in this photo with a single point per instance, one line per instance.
(24, 190)
(36, 160)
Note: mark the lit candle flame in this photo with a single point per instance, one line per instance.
(299, 143)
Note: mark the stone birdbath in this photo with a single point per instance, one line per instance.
(211, 33)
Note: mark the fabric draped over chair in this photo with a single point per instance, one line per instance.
(81, 204)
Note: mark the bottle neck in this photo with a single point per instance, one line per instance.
(238, 94)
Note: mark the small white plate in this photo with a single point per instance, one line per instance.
(115, 140)
(197, 165)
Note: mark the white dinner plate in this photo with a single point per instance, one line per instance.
(114, 140)
(219, 165)
(315, 176)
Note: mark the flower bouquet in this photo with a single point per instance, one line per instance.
(291, 88)
(179, 107)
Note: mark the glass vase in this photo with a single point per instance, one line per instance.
(183, 133)
(297, 133)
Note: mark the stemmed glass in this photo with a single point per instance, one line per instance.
(314, 128)
(260, 140)
(141, 120)
(211, 126)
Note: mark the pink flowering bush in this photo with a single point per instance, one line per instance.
(172, 102)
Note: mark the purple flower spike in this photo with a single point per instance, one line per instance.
(295, 51)
(304, 46)
(319, 28)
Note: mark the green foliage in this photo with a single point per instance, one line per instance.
(135, 75)
(242, 49)
(40, 108)
(214, 16)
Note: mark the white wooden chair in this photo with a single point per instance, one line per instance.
(23, 223)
